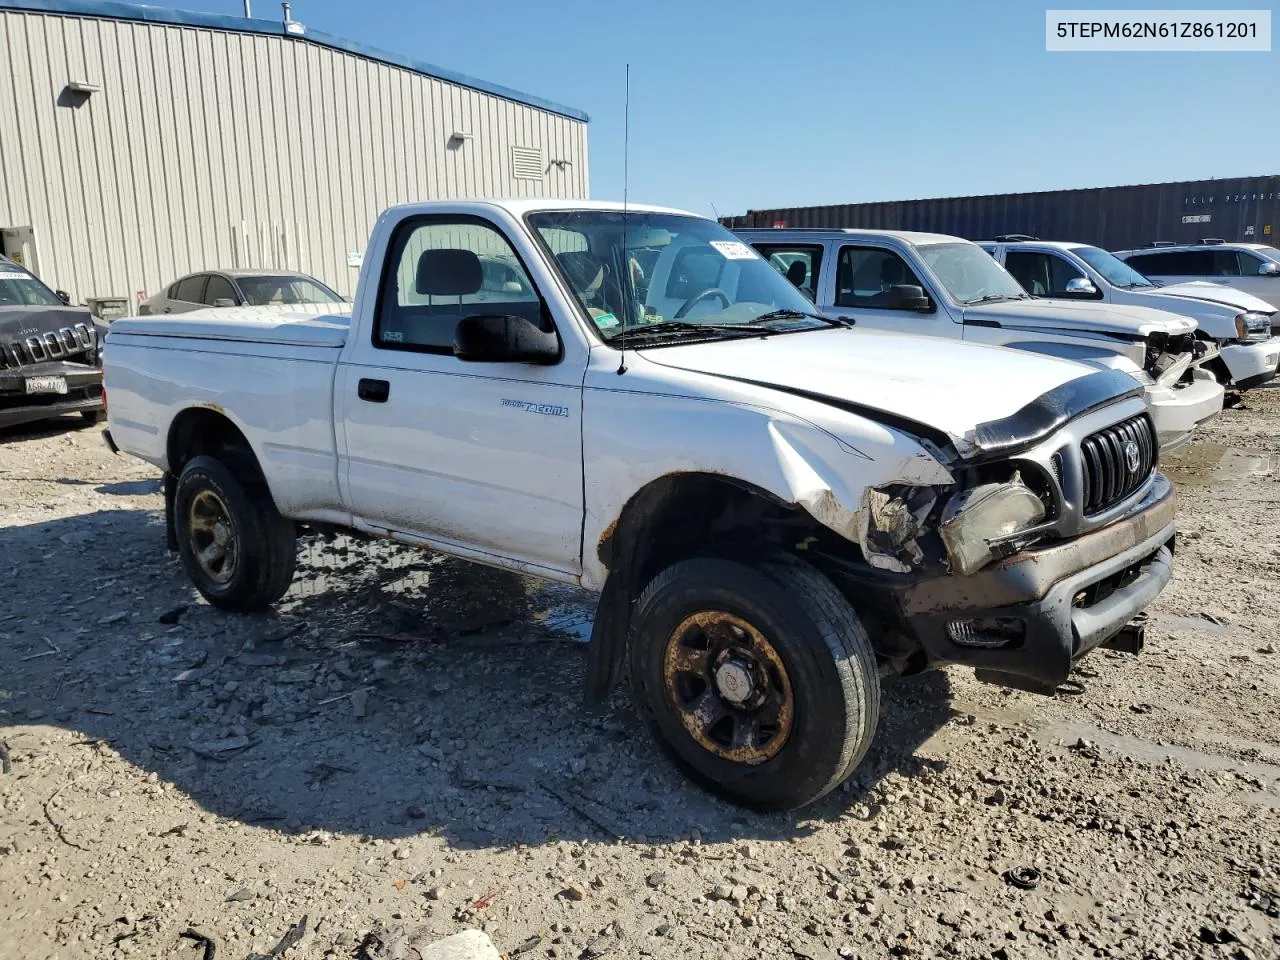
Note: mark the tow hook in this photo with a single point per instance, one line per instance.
(1131, 637)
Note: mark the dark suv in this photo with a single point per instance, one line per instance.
(50, 352)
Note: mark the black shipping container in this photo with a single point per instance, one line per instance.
(1114, 218)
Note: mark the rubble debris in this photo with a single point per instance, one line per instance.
(220, 750)
(467, 945)
(1024, 878)
(210, 947)
(170, 617)
(5, 765)
(290, 938)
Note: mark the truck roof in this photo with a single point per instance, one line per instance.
(519, 206)
(913, 237)
(1052, 244)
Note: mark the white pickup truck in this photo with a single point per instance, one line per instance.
(944, 286)
(776, 509)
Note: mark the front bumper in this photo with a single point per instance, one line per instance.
(84, 392)
(1178, 410)
(1251, 364)
(1045, 608)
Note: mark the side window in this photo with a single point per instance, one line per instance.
(219, 288)
(1249, 264)
(1224, 263)
(865, 277)
(801, 265)
(1045, 274)
(1149, 264)
(442, 269)
(191, 290)
(696, 268)
(1190, 263)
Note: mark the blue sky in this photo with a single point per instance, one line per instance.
(754, 104)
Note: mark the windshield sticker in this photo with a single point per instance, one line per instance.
(733, 250)
(605, 321)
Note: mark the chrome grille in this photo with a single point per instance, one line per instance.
(1117, 461)
(55, 345)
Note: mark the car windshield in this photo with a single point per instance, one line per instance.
(969, 274)
(267, 291)
(668, 274)
(20, 289)
(1114, 270)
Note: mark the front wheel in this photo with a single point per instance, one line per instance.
(236, 547)
(759, 680)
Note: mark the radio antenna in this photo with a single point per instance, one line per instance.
(627, 286)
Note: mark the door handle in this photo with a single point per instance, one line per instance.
(375, 391)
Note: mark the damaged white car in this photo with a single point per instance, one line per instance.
(776, 509)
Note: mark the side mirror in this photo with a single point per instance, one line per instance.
(504, 339)
(224, 302)
(1081, 287)
(908, 296)
(63, 296)
(1269, 269)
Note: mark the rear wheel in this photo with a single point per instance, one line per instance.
(758, 679)
(236, 548)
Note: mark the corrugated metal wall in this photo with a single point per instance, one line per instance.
(207, 148)
(1115, 218)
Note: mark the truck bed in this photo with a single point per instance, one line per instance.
(245, 324)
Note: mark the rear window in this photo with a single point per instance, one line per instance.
(190, 289)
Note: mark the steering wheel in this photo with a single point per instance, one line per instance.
(698, 298)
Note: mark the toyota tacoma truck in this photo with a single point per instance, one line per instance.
(1238, 323)
(49, 352)
(944, 286)
(776, 509)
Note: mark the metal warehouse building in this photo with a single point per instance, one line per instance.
(138, 144)
(1114, 218)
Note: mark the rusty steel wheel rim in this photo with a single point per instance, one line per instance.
(214, 543)
(729, 686)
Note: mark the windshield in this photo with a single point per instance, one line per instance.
(969, 274)
(20, 289)
(679, 271)
(1114, 270)
(276, 291)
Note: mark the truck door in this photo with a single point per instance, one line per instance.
(482, 456)
(866, 287)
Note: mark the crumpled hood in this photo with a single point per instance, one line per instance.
(20, 322)
(1214, 293)
(949, 386)
(1126, 319)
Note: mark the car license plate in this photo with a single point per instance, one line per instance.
(46, 384)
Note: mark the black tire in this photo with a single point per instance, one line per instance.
(265, 542)
(94, 416)
(830, 669)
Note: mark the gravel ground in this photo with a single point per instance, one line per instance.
(399, 753)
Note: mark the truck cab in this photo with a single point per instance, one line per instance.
(941, 286)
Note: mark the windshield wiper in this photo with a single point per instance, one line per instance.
(661, 331)
(996, 298)
(787, 314)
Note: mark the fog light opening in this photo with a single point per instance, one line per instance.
(989, 633)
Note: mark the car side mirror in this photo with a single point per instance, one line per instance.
(224, 302)
(63, 296)
(1081, 287)
(1269, 269)
(504, 339)
(908, 296)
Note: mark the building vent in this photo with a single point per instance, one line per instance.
(526, 163)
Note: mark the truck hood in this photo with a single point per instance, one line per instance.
(20, 322)
(1107, 318)
(1218, 293)
(979, 397)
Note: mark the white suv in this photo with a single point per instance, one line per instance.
(1240, 324)
(1250, 267)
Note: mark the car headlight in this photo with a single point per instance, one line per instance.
(1253, 325)
(975, 518)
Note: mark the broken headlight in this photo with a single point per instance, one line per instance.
(977, 518)
(889, 523)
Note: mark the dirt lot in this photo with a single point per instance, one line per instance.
(401, 749)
